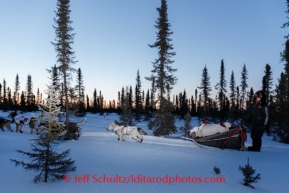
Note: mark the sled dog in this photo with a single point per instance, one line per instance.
(5, 123)
(122, 131)
(20, 120)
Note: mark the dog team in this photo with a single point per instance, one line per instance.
(32, 122)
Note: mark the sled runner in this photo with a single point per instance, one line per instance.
(234, 138)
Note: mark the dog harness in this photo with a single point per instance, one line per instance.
(21, 119)
(126, 130)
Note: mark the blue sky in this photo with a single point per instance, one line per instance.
(112, 37)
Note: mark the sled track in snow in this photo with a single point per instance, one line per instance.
(147, 139)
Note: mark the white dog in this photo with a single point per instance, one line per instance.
(209, 129)
(122, 131)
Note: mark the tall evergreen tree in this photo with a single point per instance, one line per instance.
(138, 98)
(221, 87)
(282, 90)
(130, 97)
(268, 82)
(16, 90)
(147, 107)
(63, 46)
(9, 99)
(232, 90)
(237, 98)
(244, 86)
(29, 93)
(5, 100)
(37, 97)
(79, 88)
(100, 103)
(162, 74)
(196, 100)
(205, 94)
(94, 101)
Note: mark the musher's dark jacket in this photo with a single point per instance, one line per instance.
(257, 117)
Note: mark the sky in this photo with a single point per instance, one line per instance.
(112, 36)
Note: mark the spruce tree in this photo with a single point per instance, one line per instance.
(29, 93)
(248, 172)
(196, 100)
(183, 104)
(250, 101)
(282, 91)
(130, 97)
(280, 114)
(187, 125)
(147, 108)
(232, 90)
(64, 40)
(244, 86)
(79, 88)
(162, 74)
(205, 93)
(100, 103)
(138, 98)
(52, 165)
(221, 87)
(16, 90)
(237, 98)
(126, 117)
(9, 99)
(22, 102)
(94, 101)
(193, 106)
(87, 103)
(38, 100)
(217, 170)
(268, 86)
(5, 100)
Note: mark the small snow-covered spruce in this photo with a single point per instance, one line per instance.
(217, 170)
(248, 172)
(52, 165)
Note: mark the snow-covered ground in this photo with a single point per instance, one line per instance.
(144, 167)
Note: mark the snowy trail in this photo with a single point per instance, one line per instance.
(99, 152)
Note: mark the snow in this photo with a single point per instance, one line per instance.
(98, 153)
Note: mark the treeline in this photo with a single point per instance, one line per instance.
(230, 103)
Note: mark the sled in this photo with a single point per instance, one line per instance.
(232, 139)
